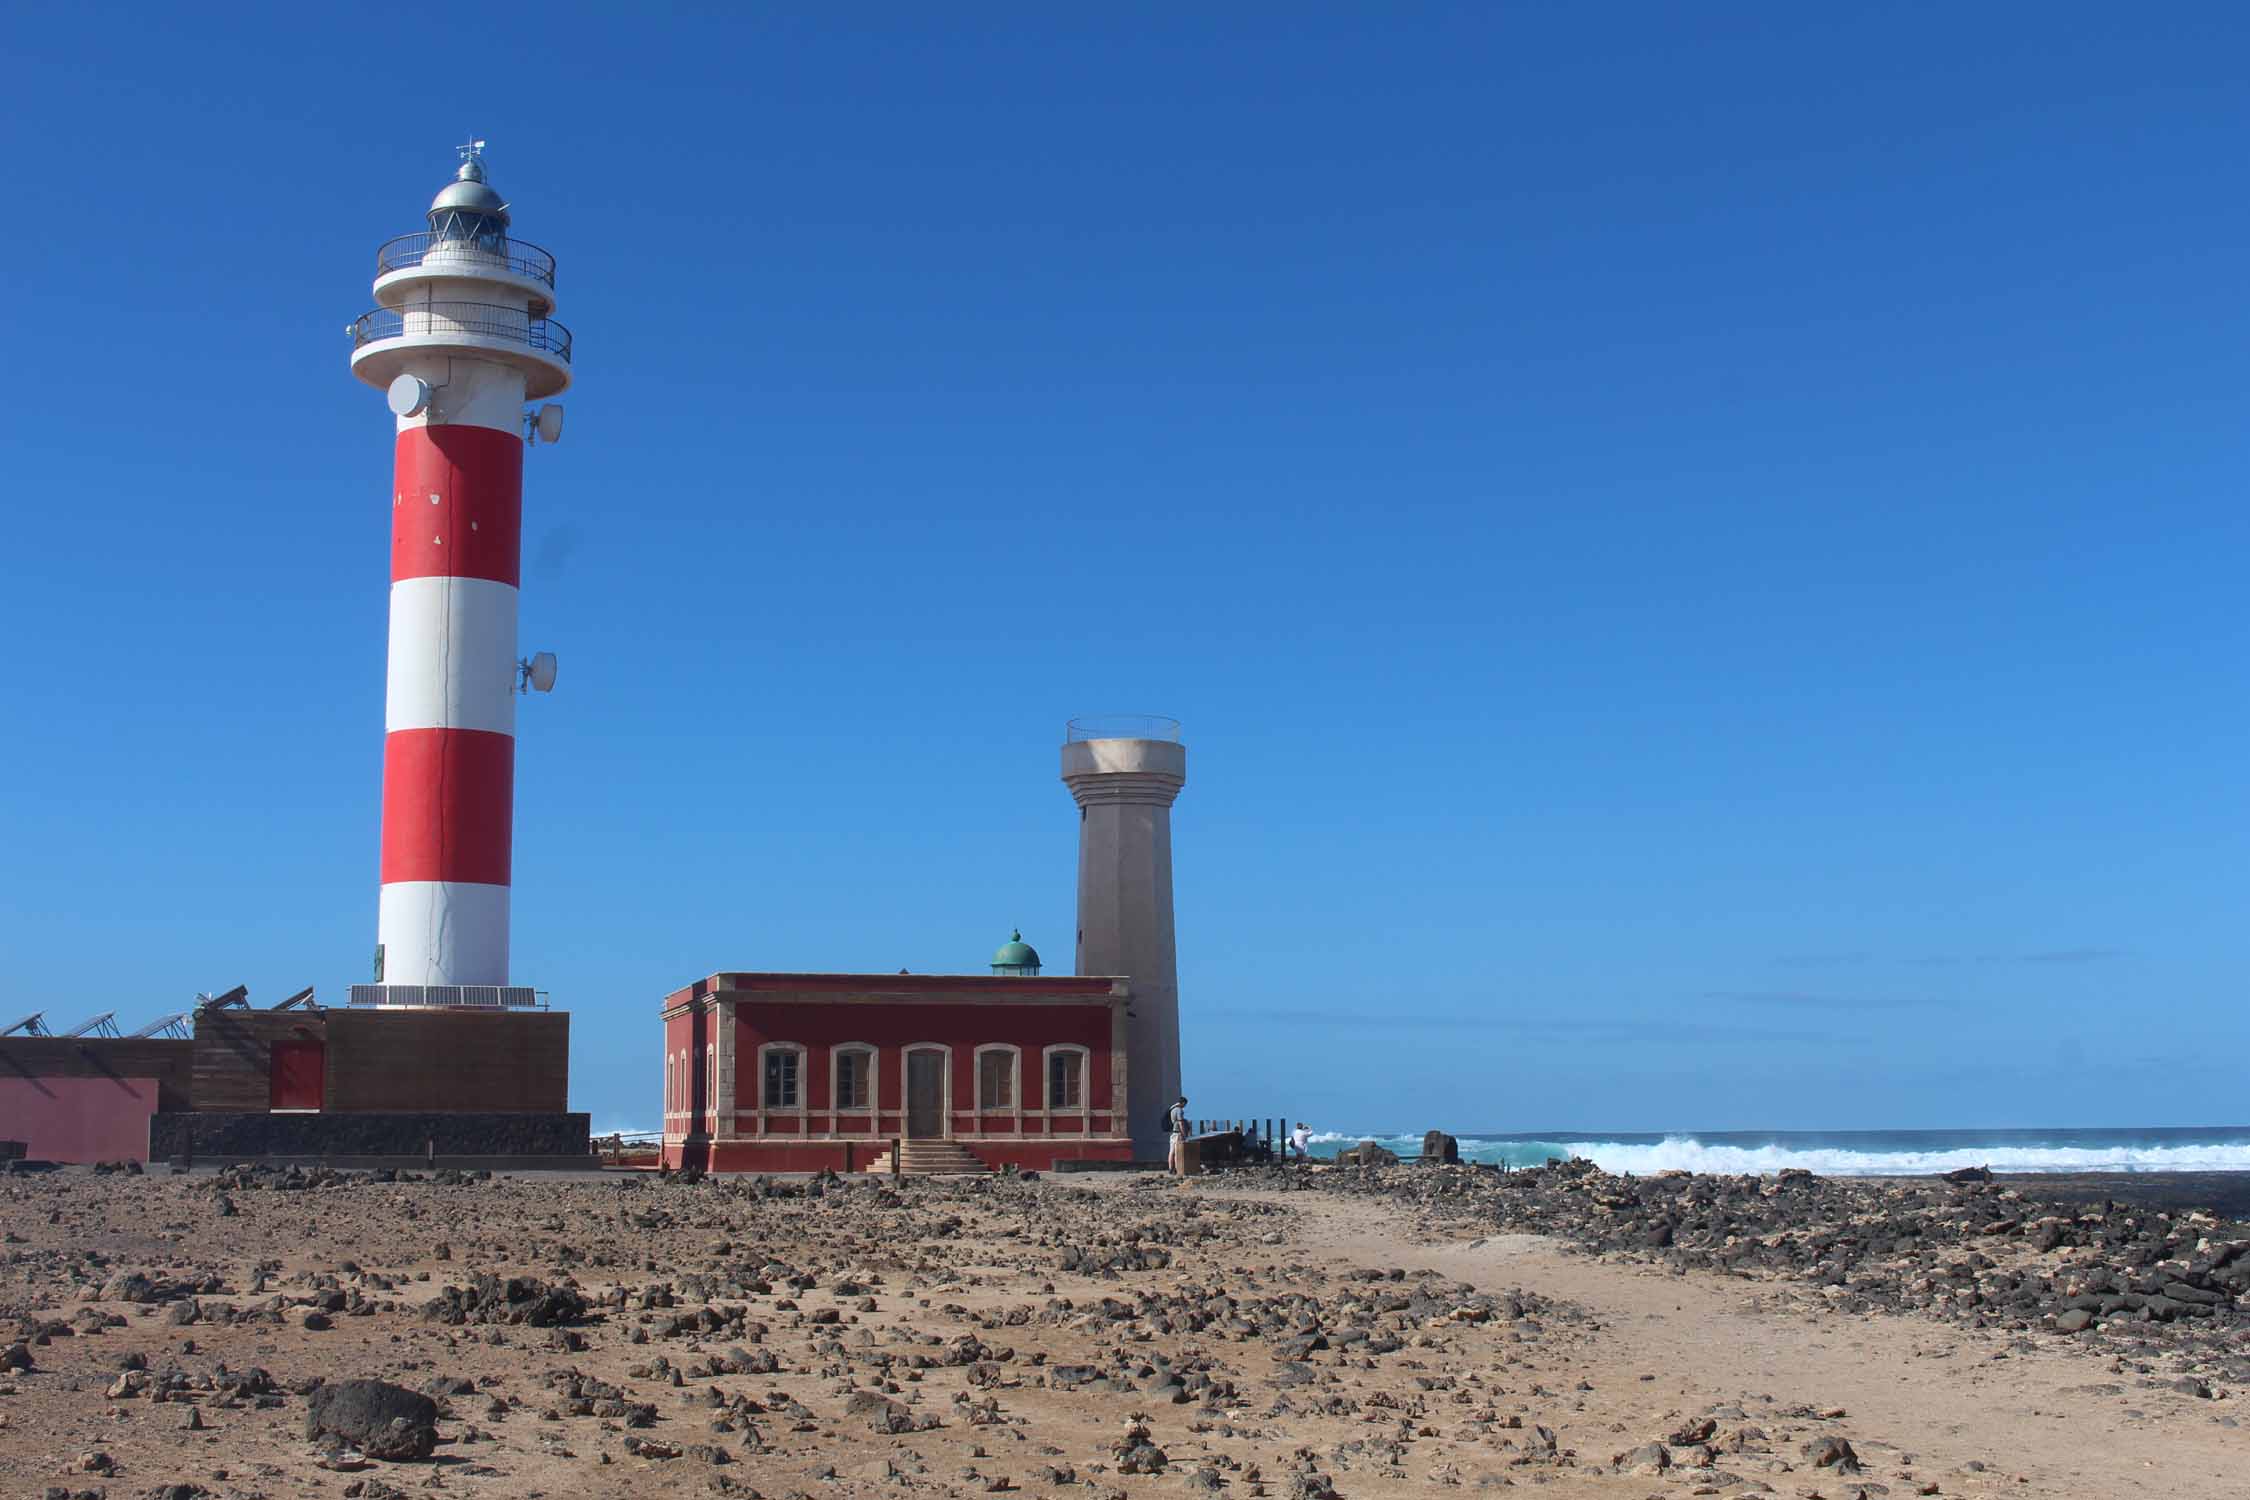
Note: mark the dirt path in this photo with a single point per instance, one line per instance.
(2057, 1419)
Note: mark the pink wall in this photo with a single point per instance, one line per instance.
(78, 1119)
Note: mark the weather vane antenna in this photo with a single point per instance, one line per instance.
(473, 151)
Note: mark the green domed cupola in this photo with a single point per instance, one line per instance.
(1015, 956)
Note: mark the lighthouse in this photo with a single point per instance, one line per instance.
(461, 338)
(1125, 771)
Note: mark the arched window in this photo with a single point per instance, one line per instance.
(997, 1067)
(781, 1075)
(1066, 1079)
(851, 1077)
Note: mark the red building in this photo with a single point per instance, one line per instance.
(795, 1072)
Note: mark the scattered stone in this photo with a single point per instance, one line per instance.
(518, 1299)
(379, 1419)
(1832, 1453)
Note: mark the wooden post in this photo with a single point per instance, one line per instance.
(896, 1164)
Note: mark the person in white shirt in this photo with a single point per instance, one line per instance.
(1300, 1139)
(1176, 1123)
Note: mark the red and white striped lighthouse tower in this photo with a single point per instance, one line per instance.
(460, 339)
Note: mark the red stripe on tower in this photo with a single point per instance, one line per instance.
(449, 799)
(457, 504)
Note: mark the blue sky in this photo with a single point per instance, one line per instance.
(1699, 553)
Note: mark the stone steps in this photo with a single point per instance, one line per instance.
(930, 1158)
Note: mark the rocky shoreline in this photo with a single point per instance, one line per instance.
(2077, 1255)
(2223, 1194)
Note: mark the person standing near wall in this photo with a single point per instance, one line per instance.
(1175, 1127)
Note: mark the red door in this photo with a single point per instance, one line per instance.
(297, 1069)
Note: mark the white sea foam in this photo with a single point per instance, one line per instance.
(1685, 1153)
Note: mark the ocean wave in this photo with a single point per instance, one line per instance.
(1689, 1154)
(1685, 1153)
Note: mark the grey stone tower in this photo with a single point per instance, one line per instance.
(1124, 771)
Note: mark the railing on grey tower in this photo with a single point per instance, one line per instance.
(490, 320)
(1122, 727)
(519, 256)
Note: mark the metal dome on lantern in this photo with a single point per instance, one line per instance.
(1016, 956)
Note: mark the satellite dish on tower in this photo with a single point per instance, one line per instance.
(538, 673)
(550, 423)
(409, 396)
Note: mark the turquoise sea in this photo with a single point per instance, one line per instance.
(1843, 1153)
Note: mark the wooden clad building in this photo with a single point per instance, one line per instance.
(96, 1098)
(439, 1060)
(258, 1059)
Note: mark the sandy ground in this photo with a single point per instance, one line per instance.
(983, 1308)
(1922, 1398)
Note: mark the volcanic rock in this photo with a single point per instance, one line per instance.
(381, 1420)
(1832, 1453)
